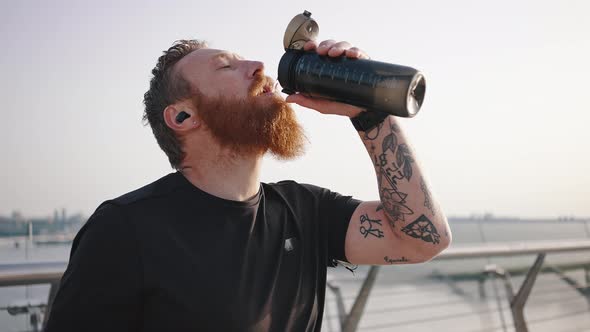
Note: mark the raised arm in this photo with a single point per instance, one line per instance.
(406, 225)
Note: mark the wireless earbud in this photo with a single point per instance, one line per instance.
(182, 116)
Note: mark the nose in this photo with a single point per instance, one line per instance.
(255, 68)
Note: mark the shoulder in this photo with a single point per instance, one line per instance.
(155, 189)
(293, 194)
(304, 194)
(111, 217)
(290, 187)
(104, 227)
(105, 219)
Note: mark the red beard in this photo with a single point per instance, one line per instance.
(254, 125)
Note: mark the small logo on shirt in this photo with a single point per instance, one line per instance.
(289, 244)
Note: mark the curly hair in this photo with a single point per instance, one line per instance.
(168, 87)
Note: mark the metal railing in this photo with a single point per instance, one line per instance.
(51, 273)
(517, 301)
(23, 274)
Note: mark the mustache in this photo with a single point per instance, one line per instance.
(261, 84)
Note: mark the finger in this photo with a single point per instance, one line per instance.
(324, 46)
(301, 100)
(355, 53)
(307, 102)
(324, 106)
(294, 98)
(339, 48)
(310, 45)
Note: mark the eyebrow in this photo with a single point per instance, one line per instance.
(224, 55)
(219, 56)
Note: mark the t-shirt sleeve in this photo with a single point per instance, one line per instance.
(335, 211)
(100, 289)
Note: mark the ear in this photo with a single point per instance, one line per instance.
(171, 117)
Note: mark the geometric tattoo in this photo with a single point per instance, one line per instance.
(423, 229)
(370, 230)
(394, 203)
(393, 162)
(427, 196)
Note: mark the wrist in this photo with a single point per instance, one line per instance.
(368, 120)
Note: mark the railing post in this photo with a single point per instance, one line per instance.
(481, 287)
(34, 317)
(52, 292)
(517, 302)
(493, 271)
(358, 307)
(339, 304)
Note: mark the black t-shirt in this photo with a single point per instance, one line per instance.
(171, 257)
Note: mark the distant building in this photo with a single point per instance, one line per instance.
(59, 223)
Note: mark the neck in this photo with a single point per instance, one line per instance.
(224, 174)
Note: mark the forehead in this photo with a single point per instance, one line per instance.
(204, 58)
(201, 63)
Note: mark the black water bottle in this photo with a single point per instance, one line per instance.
(374, 85)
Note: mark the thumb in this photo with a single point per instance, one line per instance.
(295, 98)
(304, 101)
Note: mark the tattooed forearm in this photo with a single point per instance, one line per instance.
(400, 183)
(372, 134)
(393, 202)
(405, 160)
(393, 260)
(393, 164)
(423, 229)
(367, 227)
(427, 197)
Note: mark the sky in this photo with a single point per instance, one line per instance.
(503, 128)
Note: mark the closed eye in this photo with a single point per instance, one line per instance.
(225, 67)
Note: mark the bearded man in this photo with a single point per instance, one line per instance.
(210, 247)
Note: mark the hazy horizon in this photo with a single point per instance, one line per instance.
(503, 128)
(489, 216)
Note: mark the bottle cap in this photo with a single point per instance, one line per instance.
(300, 30)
